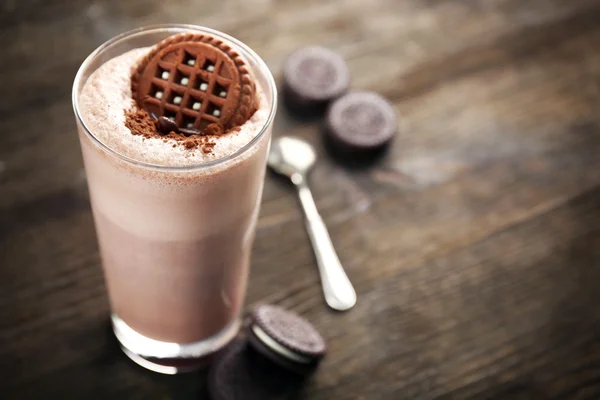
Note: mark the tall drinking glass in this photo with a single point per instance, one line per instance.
(175, 241)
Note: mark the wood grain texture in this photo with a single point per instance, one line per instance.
(474, 244)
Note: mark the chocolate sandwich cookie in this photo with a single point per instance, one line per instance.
(194, 84)
(286, 338)
(360, 123)
(241, 374)
(312, 77)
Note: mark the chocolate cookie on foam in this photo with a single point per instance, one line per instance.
(194, 84)
(286, 338)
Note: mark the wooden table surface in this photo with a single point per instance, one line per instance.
(474, 244)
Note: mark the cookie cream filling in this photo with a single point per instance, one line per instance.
(273, 345)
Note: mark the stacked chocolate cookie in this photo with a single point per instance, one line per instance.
(279, 349)
(316, 80)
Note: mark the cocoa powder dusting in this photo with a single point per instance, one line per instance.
(139, 122)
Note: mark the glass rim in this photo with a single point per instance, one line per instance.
(181, 28)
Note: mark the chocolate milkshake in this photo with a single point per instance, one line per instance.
(175, 125)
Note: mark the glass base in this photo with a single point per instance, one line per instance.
(166, 357)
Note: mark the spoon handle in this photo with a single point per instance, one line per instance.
(338, 291)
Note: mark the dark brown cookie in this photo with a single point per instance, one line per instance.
(241, 374)
(286, 338)
(312, 77)
(361, 122)
(196, 81)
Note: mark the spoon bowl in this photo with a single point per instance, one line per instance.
(289, 156)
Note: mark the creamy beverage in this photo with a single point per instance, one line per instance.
(174, 139)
